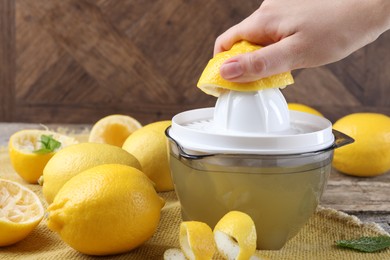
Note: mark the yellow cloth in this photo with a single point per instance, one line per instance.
(315, 241)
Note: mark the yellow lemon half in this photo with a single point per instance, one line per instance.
(235, 236)
(212, 83)
(107, 209)
(27, 163)
(149, 145)
(20, 212)
(113, 129)
(303, 108)
(369, 155)
(197, 240)
(74, 159)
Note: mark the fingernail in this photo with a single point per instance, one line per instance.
(231, 70)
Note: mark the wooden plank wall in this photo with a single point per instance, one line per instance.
(7, 59)
(75, 61)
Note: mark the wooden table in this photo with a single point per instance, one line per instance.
(366, 198)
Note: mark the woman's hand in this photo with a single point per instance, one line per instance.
(301, 34)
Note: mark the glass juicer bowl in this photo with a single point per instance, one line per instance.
(251, 154)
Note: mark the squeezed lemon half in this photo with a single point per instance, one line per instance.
(20, 212)
(113, 129)
(28, 164)
(212, 83)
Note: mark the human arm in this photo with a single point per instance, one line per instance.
(302, 34)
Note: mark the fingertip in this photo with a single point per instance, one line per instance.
(222, 45)
(225, 41)
(243, 68)
(217, 48)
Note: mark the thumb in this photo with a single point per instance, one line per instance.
(273, 59)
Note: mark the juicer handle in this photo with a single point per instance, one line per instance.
(341, 139)
(182, 153)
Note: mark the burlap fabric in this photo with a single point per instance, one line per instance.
(315, 241)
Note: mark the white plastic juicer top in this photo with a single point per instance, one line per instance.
(256, 122)
(263, 111)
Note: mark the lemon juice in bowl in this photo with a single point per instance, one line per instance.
(279, 199)
(273, 170)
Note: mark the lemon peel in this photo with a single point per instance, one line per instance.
(212, 83)
(113, 129)
(174, 254)
(20, 212)
(235, 236)
(196, 240)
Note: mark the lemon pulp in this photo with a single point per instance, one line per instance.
(20, 212)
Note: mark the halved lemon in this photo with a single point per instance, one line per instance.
(235, 236)
(196, 240)
(22, 149)
(113, 129)
(20, 212)
(212, 83)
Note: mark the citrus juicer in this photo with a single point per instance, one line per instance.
(264, 111)
(250, 153)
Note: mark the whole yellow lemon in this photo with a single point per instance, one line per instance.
(74, 159)
(149, 145)
(107, 209)
(369, 155)
(303, 108)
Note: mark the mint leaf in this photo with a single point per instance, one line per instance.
(366, 244)
(42, 151)
(53, 144)
(49, 144)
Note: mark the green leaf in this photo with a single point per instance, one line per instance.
(366, 244)
(42, 151)
(45, 139)
(49, 144)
